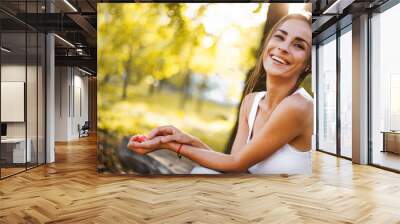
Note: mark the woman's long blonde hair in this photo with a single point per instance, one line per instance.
(259, 71)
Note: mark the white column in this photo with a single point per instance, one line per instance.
(50, 92)
(50, 100)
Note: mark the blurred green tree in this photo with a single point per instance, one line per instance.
(157, 40)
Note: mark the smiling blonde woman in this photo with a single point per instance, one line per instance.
(275, 126)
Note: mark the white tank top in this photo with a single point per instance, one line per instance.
(287, 159)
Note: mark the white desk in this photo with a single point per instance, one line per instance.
(19, 149)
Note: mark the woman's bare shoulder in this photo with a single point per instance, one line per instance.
(250, 97)
(301, 103)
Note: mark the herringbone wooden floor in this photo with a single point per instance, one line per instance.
(70, 191)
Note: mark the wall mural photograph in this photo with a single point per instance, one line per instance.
(182, 91)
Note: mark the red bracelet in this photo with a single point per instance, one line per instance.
(178, 152)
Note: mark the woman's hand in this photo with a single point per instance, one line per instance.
(172, 134)
(149, 145)
(164, 130)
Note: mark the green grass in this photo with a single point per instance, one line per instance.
(140, 113)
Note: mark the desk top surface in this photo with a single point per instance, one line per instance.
(13, 140)
(390, 132)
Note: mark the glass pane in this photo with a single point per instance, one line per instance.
(31, 98)
(385, 86)
(346, 94)
(41, 98)
(13, 87)
(327, 96)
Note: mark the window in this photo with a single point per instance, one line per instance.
(346, 93)
(385, 89)
(327, 95)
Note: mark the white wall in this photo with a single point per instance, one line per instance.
(71, 94)
(13, 73)
(62, 81)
